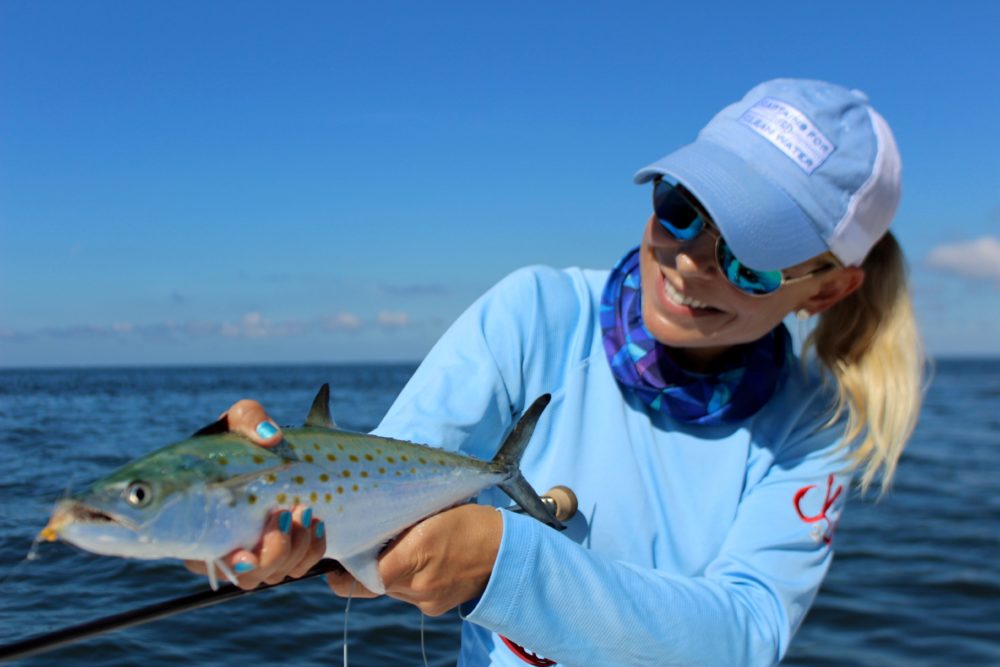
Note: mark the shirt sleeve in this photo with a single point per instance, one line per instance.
(579, 607)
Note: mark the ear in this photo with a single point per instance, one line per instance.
(834, 287)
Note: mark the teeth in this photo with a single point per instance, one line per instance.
(680, 299)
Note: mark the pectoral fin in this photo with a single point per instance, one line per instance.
(220, 425)
(364, 567)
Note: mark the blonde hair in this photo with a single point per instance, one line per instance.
(870, 343)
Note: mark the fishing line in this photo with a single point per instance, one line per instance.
(423, 645)
(35, 543)
(347, 609)
(16, 569)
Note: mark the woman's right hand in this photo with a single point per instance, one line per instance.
(293, 541)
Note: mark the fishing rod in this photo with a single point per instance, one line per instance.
(560, 500)
(50, 641)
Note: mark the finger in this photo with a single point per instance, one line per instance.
(196, 566)
(275, 545)
(245, 565)
(249, 419)
(396, 564)
(345, 585)
(316, 549)
(302, 538)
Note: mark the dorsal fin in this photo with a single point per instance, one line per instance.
(319, 413)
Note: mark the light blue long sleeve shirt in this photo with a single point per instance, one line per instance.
(692, 545)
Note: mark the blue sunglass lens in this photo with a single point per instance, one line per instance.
(675, 212)
(744, 278)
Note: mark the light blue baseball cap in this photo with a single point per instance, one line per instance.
(794, 169)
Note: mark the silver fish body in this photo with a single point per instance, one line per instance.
(203, 497)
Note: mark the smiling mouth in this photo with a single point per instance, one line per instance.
(678, 299)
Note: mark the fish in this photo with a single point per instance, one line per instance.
(203, 497)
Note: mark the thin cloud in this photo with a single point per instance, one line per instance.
(979, 259)
(341, 322)
(252, 325)
(414, 289)
(393, 320)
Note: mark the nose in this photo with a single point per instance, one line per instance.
(696, 258)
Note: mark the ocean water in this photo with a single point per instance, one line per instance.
(916, 579)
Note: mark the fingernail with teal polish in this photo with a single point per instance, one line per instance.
(320, 530)
(307, 517)
(266, 430)
(285, 522)
(243, 567)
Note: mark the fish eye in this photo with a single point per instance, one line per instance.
(139, 494)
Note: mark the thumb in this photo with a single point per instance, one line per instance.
(249, 419)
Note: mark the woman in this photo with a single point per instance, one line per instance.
(710, 464)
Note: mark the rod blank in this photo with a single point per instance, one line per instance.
(52, 640)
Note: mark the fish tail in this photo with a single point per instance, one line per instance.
(509, 457)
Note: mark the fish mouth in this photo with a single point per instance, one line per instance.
(73, 512)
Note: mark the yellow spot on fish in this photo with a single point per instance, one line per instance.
(298, 479)
(364, 473)
(423, 460)
(378, 451)
(398, 474)
(331, 457)
(340, 489)
(270, 478)
(441, 462)
(327, 497)
(324, 478)
(413, 471)
(223, 461)
(282, 498)
(404, 459)
(296, 500)
(258, 459)
(313, 497)
(381, 471)
(353, 457)
(251, 499)
(369, 457)
(316, 446)
(308, 458)
(340, 446)
(354, 488)
(346, 473)
(390, 459)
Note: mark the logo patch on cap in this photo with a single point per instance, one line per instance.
(791, 132)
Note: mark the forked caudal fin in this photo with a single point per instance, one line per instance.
(509, 456)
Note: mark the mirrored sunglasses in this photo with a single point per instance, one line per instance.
(684, 221)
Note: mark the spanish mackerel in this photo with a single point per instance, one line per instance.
(200, 498)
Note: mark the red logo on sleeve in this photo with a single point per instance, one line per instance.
(824, 531)
(527, 656)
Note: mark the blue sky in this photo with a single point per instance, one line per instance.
(268, 182)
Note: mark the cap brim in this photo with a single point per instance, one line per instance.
(764, 227)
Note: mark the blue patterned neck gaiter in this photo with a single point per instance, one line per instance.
(642, 366)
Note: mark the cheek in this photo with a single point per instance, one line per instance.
(761, 315)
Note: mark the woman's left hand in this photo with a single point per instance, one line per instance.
(437, 564)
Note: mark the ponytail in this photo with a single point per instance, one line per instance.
(869, 341)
